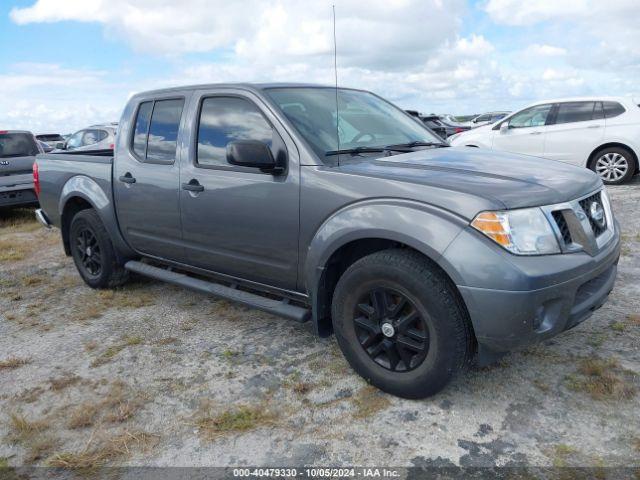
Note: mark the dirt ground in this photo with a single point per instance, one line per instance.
(152, 374)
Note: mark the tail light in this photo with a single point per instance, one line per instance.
(36, 179)
(458, 130)
(111, 146)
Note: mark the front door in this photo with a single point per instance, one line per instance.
(525, 133)
(239, 221)
(146, 178)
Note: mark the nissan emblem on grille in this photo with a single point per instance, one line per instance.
(596, 212)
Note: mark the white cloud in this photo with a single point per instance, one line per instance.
(545, 50)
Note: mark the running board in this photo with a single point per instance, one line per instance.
(277, 307)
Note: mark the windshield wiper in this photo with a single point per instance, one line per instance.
(416, 143)
(355, 151)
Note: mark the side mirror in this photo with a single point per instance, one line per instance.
(254, 154)
(504, 126)
(60, 146)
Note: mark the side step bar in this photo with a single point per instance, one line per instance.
(277, 307)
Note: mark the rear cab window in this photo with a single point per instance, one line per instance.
(17, 145)
(156, 127)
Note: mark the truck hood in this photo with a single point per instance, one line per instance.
(507, 179)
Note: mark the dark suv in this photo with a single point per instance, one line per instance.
(17, 154)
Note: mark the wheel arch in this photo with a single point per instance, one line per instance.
(360, 230)
(624, 146)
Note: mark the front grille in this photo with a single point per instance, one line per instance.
(558, 216)
(586, 205)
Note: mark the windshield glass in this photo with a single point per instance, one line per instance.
(17, 145)
(364, 120)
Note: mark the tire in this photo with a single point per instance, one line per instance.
(93, 252)
(440, 323)
(614, 165)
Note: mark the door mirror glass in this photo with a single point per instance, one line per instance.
(60, 146)
(251, 153)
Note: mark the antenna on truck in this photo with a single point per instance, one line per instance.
(335, 70)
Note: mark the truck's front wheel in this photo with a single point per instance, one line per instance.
(93, 252)
(400, 324)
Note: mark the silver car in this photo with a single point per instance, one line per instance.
(95, 137)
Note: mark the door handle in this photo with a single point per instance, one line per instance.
(127, 178)
(593, 126)
(193, 186)
(535, 133)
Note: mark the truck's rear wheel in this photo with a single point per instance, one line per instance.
(93, 252)
(400, 324)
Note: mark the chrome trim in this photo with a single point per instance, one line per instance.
(42, 218)
(582, 235)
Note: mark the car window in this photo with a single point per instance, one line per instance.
(75, 140)
(141, 129)
(531, 117)
(163, 130)
(225, 119)
(598, 111)
(571, 112)
(90, 137)
(612, 109)
(17, 145)
(483, 118)
(498, 116)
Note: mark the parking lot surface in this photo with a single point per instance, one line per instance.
(151, 374)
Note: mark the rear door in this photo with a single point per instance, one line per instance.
(525, 133)
(242, 222)
(146, 176)
(575, 130)
(17, 153)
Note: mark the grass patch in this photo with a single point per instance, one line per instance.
(59, 384)
(96, 454)
(602, 379)
(83, 416)
(168, 341)
(108, 355)
(238, 419)
(560, 454)
(369, 401)
(4, 462)
(31, 434)
(13, 250)
(13, 362)
(617, 326)
(19, 220)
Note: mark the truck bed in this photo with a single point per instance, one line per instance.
(57, 170)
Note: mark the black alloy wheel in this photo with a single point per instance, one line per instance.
(391, 330)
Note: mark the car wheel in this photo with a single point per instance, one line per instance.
(614, 165)
(400, 323)
(93, 252)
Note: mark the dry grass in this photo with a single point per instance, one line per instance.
(31, 434)
(14, 250)
(83, 416)
(238, 419)
(13, 362)
(369, 401)
(59, 384)
(92, 305)
(168, 341)
(96, 454)
(21, 428)
(603, 379)
(106, 356)
(19, 220)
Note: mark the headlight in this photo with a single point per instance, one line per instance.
(523, 232)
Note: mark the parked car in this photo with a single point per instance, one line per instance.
(416, 255)
(441, 126)
(46, 148)
(95, 137)
(486, 119)
(18, 150)
(51, 139)
(602, 134)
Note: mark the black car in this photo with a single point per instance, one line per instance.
(441, 127)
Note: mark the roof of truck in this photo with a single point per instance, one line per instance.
(246, 86)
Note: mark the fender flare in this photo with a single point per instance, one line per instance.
(420, 226)
(88, 189)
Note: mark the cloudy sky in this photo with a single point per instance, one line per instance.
(69, 63)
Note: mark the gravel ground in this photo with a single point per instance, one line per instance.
(152, 374)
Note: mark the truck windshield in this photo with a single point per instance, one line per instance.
(364, 121)
(17, 145)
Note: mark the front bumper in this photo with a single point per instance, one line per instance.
(567, 289)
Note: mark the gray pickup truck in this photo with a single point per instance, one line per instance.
(335, 206)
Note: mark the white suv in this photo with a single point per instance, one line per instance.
(602, 134)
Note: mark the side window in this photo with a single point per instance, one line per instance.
(612, 109)
(102, 135)
(531, 117)
(163, 130)
(571, 112)
(225, 119)
(90, 137)
(75, 140)
(141, 129)
(598, 111)
(482, 118)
